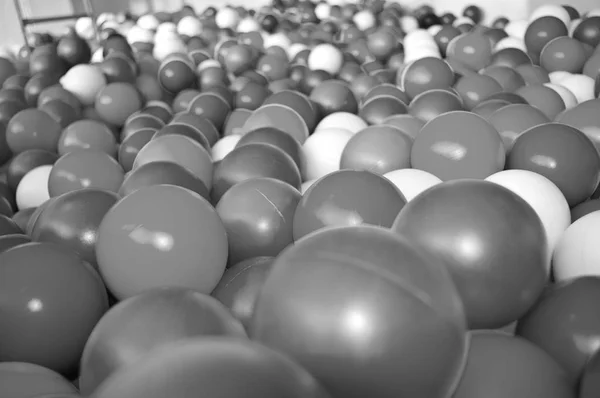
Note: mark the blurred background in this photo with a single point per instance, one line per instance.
(11, 33)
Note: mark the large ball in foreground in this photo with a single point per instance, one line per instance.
(500, 366)
(349, 302)
(218, 367)
(149, 321)
(46, 288)
(161, 235)
(565, 323)
(491, 240)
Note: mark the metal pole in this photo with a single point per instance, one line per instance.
(19, 11)
(89, 10)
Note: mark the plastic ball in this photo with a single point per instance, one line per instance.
(181, 150)
(589, 386)
(184, 130)
(334, 96)
(563, 323)
(378, 149)
(433, 103)
(147, 322)
(85, 82)
(544, 98)
(176, 73)
(449, 149)
(541, 31)
(500, 365)
(275, 137)
(555, 11)
(574, 244)
(513, 120)
(426, 74)
(258, 215)
(323, 151)
(563, 54)
(475, 88)
(221, 367)
(26, 380)
(498, 283)
(32, 129)
(211, 106)
(240, 286)
(7, 242)
(299, 287)
(26, 161)
(251, 161)
(588, 31)
(72, 221)
(64, 286)
(87, 134)
(412, 182)
(85, 168)
(581, 86)
(543, 196)
(224, 146)
(326, 57)
(32, 190)
(168, 241)
(116, 102)
(561, 153)
(132, 145)
(338, 199)
(342, 120)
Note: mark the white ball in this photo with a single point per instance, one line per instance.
(550, 10)
(326, 57)
(573, 25)
(106, 17)
(295, 49)
(409, 23)
(435, 29)
(227, 18)
(277, 39)
(322, 152)
(463, 20)
(85, 28)
(166, 28)
(510, 42)
(209, 63)
(567, 96)
(247, 25)
(582, 86)
(140, 35)
(306, 185)
(578, 253)
(323, 11)
(148, 21)
(411, 56)
(189, 26)
(224, 146)
(165, 48)
(97, 56)
(342, 120)
(557, 76)
(411, 182)
(364, 20)
(417, 36)
(32, 191)
(543, 196)
(593, 13)
(517, 28)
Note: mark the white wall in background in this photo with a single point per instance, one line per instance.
(513, 9)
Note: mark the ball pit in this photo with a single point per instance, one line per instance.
(312, 199)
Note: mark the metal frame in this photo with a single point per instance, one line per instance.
(25, 22)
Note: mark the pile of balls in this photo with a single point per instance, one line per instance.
(308, 200)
